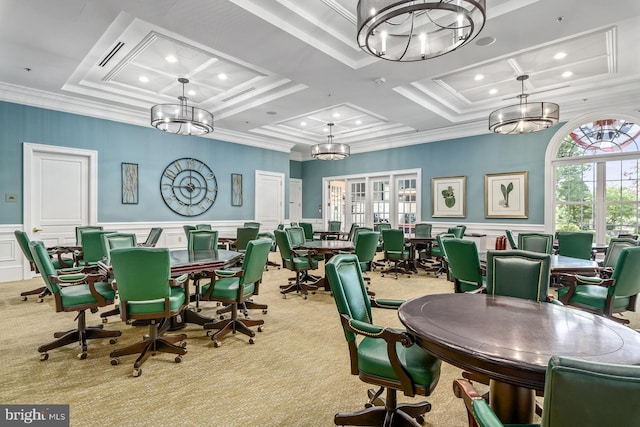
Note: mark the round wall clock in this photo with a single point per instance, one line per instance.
(188, 187)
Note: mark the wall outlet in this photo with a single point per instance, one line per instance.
(179, 238)
(10, 198)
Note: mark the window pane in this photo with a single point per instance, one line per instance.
(381, 202)
(407, 207)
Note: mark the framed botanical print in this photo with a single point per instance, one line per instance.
(448, 197)
(506, 195)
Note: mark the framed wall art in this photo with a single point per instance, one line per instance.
(506, 195)
(448, 197)
(236, 189)
(129, 174)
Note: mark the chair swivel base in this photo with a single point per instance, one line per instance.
(149, 346)
(395, 270)
(244, 307)
(233, 325)
(41, 292)
(113, 312)
(298, 287)
(79, 335)
(402, 415)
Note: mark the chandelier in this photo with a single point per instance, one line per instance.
(181, 118)
(417, 30)
(524, 117)
(329, 150)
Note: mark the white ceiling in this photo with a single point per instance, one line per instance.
(274, 72)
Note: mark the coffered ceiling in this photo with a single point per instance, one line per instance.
(275, 72)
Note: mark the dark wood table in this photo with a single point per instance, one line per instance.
(510, 340)
(328, 248)
(415, 244)
(564, 264)
(325, 234)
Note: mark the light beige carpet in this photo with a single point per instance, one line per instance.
(296, 374)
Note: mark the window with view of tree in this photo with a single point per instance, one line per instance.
(596, 179)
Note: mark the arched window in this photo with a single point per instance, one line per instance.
(593, 177)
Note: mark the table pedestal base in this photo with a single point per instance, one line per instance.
(512, 404)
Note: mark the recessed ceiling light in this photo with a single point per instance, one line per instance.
(271, 113)
(171, 58)
(303, 123)
(567, 74)
(478, 77)
(191, 92)
(222, 76)
(143, 79)
(358, 122)
(493, 91)
(336, 115)
(485, 41)
(560, 55)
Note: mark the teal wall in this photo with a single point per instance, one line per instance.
(117, 142)
(472, 157)
(295, 169)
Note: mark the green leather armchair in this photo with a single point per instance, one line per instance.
(147, 292)
(511, 239)
(93, 248)
(243, 236)
(89, 292)
(423, 230)
(457, 231)
(464, 264)
(520, 274)
(395, 252)
(576, 393)
(152, 238)
(607, 296)
(366, 248)
(384, 357)
(575, 244)
(613, 252)
(536, 242)
(114, 241)
(308, 231)
(292, 260)
(81, 229)
(235, 287)
(439, 253)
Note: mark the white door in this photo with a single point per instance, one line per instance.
(269, 199)
(295, 200)
(60, 193)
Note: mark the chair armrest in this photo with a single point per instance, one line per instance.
(554, 301)
(576, 280)
(386, 303)
(478, 409)
(228, 273)
(178, 281)
(89, 279)
(481, 290)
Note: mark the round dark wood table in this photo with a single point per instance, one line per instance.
(510, 340)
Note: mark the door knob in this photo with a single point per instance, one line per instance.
(36, 229)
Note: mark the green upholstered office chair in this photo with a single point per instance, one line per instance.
(203, 226)
(422, 230)
(607, 296)
(82, 229)
(576, 393)
(201, 240)
(366, 248)
(93, 248)
(518, 273)
(384, 357)
(464, 264)
(243, 236)
(536, 242)
(298, 262)
(114, 241)
(511, 239)
(334, 226)
(251, 224)
(395, 252)
(352, 231)
(297, 237)
(575, 244)
(381, 226)
(89, 292)
(613, 252)
(308, 231)
(57, 259)
(438, 252)
(152, 238)
(236, 287)
(356, 234)
(457, 231)
(187, 229)
(147, 292)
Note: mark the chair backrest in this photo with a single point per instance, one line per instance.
(187, 229)
(244, 235)
(457, 231)
(464, 262)
(203, 226)
(613, 251)
(536, 242)
(440, 238)
(423, 230)
(356, 233)
(117, 240)
(517, 273)
(93, 246)
(576, 244)
(202, 240)
(392, 240)
(627, 236)
(284, 246)
(511, 239)
(308, 230)
(255, 259)
(381, 226)
(141, 274)
(626, 273)
(251, 224)
(366, 247)
(83, 228)
(153, 237)
(44, 265)
(23, 242)
(582, 393)
(352, 231)
(297, 236)
(348, 288)
(335, 225)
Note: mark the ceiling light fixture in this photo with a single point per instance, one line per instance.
(329, 150)
(524, 117)
(181, 118)
(417, 30)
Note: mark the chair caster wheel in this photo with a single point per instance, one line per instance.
(145, 337)
(284, 296)
(24, 298)
(216, 344)
(221, 317)
(420, 419)
(251, 341)
(183, 344)
(40, 299)
(113, 341)
(105, 320)
(178, 359)
(264, 311)
(198, 310)
(304, 297)
(137, 372)
(259, 328)
(82, 355)
(44, 356)
(115, 361)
